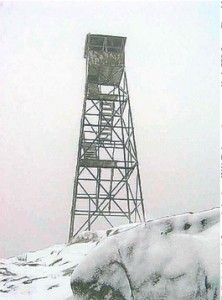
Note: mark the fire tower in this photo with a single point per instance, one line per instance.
(107, 182)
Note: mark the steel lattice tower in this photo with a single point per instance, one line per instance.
(107, 181)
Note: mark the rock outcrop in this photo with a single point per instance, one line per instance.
(172, 258)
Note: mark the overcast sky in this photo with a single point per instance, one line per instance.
(172, 64)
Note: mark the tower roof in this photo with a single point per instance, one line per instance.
(100, 42)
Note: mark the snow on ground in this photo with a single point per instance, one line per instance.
(45, 274)
(42, 274)
(146, 250)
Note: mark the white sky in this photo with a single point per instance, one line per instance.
(172, 61)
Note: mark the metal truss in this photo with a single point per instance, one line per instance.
(107, 182)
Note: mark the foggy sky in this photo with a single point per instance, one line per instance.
(172, 65)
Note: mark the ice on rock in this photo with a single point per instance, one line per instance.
(174, 258)
(171, 258)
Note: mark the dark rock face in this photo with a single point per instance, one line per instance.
(90, 290)
(161, 260)
(109, 281)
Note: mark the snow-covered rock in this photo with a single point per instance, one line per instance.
(171, 258)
